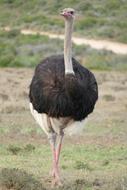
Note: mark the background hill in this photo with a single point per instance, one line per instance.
(98, 19)
(17, 50)
(95, 19)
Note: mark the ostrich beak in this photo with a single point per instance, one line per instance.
(62, 13)
(65, 14)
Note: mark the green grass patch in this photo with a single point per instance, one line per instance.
(33, 162)
(72, 157)
(14, 149)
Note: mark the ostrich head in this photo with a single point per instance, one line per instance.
(68, 13)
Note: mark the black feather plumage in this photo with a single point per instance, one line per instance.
(60, 95)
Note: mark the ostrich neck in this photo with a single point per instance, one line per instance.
(68, 47)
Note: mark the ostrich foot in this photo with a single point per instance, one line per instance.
(56, 182)
(56, 177)
(53, 172)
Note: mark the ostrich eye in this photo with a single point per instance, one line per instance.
(72, 12)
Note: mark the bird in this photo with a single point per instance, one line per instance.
(62, 93)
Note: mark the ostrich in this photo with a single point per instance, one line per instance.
(62, 93)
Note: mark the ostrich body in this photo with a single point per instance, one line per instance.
(62, 93)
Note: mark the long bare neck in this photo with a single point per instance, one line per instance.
(68, 47)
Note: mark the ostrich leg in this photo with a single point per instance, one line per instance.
(55, 172)
(58, 149)
(56, 155)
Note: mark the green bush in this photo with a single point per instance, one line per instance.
(79, 165)
(14, 149)
(19, 180)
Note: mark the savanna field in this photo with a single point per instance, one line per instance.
(96, 158)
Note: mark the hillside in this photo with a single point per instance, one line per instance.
(18, 50)
(96, 19)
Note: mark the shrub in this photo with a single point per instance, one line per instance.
(14, 149)
(79, 165)
(19, 180)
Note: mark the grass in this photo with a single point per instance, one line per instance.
(19, 179)
(84, 160)
(96, 19)
(26, 154)
(19, 50)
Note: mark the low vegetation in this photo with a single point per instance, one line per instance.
(19, 180)
(89, 162)
(18, 50)
(96, 19)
